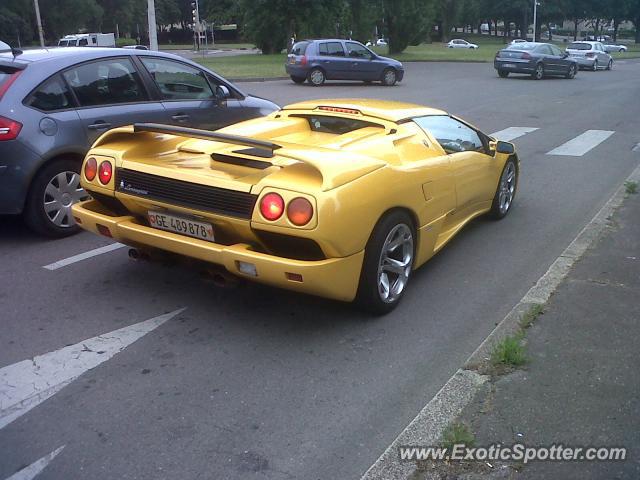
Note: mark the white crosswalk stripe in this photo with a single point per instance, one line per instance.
(582, 144)
(511, 133)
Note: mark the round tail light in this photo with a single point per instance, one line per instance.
(90, 169)
(299, 211)
(104, 172)
(272, 206)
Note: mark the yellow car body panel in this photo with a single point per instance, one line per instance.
(351, 178)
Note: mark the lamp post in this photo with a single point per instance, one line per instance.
(535, 19)
(39, 22)
(151, 20)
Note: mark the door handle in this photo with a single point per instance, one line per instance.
(180, 117)
(99, 125)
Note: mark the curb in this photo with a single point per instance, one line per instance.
(257, 79)
(459, 391)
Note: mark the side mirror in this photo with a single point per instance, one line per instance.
(222, 93)
(505, 147)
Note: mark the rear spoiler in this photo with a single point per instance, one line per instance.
(205, 135)
(12, 64)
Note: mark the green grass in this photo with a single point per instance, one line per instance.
(631, 187)
(217, 46)
(509, 352)
(457, 434)
(247, 66)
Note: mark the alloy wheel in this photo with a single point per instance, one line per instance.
(396, 261)
(62, 191)
(507, 188)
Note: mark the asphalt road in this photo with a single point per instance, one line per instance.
(258, 383)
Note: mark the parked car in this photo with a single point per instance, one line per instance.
(4, 47)
(517, 40)
(55, 103)
(136, 47)
(364, 192)
(381, 42)
(590, 55)
(610, 48)
(335, 59)
(536, 59)
(459, 43)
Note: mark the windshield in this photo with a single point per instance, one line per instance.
(579, 46)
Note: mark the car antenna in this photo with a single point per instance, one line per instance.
(15, 52)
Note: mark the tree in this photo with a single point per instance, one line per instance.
(408, 22)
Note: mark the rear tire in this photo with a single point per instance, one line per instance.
(316, 77)
(53, 190)
(595, 66)
(389, 77)
(388, 263)
(503, 73)
(298, 79)
(610, 64)
(538, 74)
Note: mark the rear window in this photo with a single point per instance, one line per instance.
(335, 125)
(51, 95)
(579, 46)
(522, 46)
(299, 48)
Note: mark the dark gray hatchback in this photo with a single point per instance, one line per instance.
(55, 103)
(335, 59)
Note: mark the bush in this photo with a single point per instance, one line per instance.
(121, 42)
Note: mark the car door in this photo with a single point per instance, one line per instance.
(603, 56)
(332, 59)
(110, 93)
(474, 171)
(363, 66)
(187, 96)
(547, 58)
(561, 64)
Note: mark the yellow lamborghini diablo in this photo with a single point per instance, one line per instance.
(337, 198)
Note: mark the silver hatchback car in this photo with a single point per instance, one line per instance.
(590, 55)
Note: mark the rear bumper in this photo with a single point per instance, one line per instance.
(296, 70)
(18, 164)
(514, 66)
(335, 278)
(584, 61)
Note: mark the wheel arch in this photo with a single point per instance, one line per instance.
(68, 155)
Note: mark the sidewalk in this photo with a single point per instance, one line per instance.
(581, 385)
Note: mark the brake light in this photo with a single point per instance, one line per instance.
(272, 206)
(303, 60)
(351, 111)
(299, 211)
(90, 169)
(590, 54)
(12, 78)
(9, 129)
(104, 172)
(526, 56)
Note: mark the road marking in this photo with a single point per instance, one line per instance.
(512, 133)
(30, 472)
(28, 383)
(83, 256)
(580, 145)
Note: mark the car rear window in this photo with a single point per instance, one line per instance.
(299, 48)
(335, 125)
(53, 94)
(522, 46)
(579, 46)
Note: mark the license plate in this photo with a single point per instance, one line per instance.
(181, 225)
(292, 60)
(508, 65)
